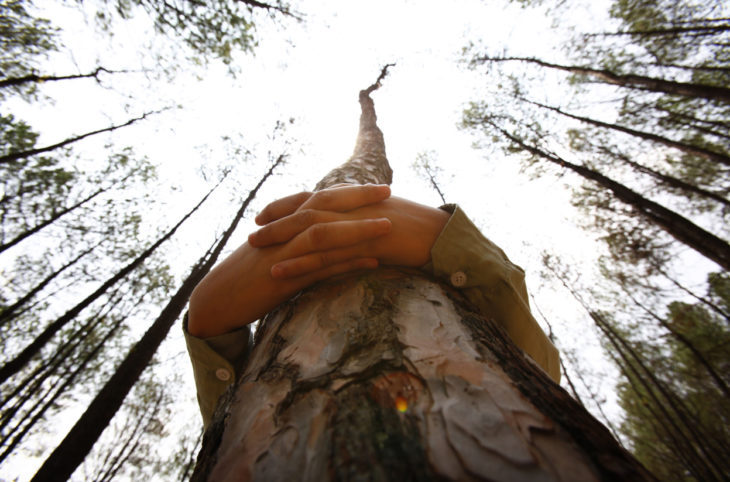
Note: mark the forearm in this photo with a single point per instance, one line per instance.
(222, 300)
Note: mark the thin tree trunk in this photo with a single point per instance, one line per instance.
(115, 461)
(692, 439)
(671, 181)
(56, 216)
(672, 32)
(708, 454)
(67, 382)
(368, 163)
(685, 89)
(10, 312)
(672, 435)
(685, 341)
(14, 156)
(21, 359)
(679, 227)
(689, 149)
(34, 380)
(391, 376)
(70, 453)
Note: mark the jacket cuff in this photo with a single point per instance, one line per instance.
(216, 361)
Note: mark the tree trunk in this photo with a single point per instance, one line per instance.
(686, 148)
(679, 227)
(390, 375)
(72, 450)
(14, 365)
(704, 91)
(55, 217)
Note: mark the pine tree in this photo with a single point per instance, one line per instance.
(396, 397)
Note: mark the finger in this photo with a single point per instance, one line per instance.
(347, 197)
(340, 268)
(338, 234)
(282, 207)
(286, 228)
(314, 262)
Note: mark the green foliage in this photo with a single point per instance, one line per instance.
(677, 411)
(215, 29)
(24, 38)
(709, 407)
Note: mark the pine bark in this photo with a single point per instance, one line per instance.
(391, 375)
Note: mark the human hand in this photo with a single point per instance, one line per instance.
(415, 229)
(241, 289)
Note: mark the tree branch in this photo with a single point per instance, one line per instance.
(14, 156)
(15, 81)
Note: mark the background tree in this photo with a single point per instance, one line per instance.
(647, 111)
(70, 218)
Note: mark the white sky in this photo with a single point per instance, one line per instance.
(312, 72)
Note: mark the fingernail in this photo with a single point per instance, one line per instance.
(276, 271)
(383, 225)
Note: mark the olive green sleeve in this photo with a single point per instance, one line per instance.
(216, 362)
(463, 257)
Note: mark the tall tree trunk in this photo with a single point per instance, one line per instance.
(21, 359)
(710, 92)
(679, 424)
(668, 180)
(679, 227)
(671, 32)
(11, 311)
(72, 450)
(687, 148)
(55, 217)
(392, 376)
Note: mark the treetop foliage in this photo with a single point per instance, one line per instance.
(214, 30)
(23, 38)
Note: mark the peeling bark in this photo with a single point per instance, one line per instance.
(391, 376)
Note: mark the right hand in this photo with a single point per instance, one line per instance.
(415, 229)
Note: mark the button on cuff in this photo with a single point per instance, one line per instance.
(222, 374)
(458, 279)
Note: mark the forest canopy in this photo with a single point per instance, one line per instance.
(590, 139)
